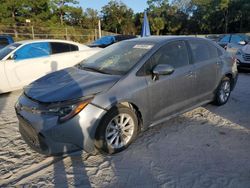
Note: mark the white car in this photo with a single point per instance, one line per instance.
(25, 61)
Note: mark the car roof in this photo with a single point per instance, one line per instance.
(161, 39)
(47, 40)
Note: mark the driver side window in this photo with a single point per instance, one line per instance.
(174, 54)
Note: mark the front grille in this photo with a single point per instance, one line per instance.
(33, 139)
(246, 57)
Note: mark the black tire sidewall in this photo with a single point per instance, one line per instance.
(100, 141)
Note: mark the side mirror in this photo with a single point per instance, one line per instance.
(162, 69)
(242, 42)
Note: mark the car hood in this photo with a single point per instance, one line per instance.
(69, 84)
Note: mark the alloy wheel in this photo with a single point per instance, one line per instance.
(120, 131)
(224, 91)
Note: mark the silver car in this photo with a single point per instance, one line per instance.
(105, 101)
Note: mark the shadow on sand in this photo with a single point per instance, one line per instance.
(182, 152)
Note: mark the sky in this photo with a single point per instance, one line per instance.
(136, 5)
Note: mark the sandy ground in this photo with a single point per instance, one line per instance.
(206, 147)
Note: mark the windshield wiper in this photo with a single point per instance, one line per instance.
(93, 69)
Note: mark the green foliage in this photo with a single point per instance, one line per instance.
(117, 17)
(91, 19)
(157, 25)
(165, 16)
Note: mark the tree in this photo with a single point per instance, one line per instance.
(73, 16)
(117, 17)
(11, 11)
(91, 18)
(62, 8)
(157, 25)
(37, 11)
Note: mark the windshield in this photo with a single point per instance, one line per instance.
(118, 58)
(8, 49)
(104, 40)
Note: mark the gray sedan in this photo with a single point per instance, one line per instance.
(105, 101)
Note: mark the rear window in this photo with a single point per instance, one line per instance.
(203, 50)
(59, 47)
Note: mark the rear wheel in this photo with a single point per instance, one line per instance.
(117, 130)
(223, 92)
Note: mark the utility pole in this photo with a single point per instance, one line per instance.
(32, 30)
(99, 28)
(66, 33)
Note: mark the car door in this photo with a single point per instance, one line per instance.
(170, 93)
(64, 55)
(206, 67)
(29, 63)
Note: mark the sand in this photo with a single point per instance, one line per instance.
(206, 147)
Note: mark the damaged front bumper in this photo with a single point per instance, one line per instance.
(45, 134)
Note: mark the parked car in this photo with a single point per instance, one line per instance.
(105, 41)
(243, 57)
(232, 42)
(105, 101)
(25, 61)
(5, 40)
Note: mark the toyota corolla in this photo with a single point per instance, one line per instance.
(106, 100)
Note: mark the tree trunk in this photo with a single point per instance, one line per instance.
(226, 20)
(158, 32)
(241, 18)
(61, 17)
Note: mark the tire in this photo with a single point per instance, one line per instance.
(223, 92)
(113, 137)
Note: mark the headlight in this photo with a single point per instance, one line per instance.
(69, 111)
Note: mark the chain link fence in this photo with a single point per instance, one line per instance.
(77, 34)
(67, 33)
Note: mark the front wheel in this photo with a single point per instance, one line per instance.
(223, 92)
(117, 130)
